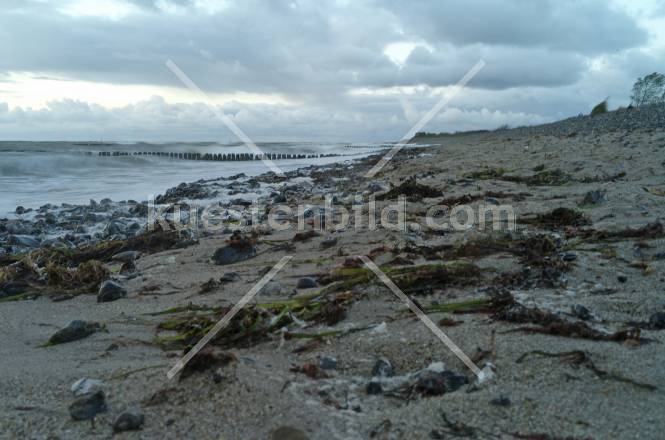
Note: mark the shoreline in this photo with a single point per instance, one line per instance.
(563, 310)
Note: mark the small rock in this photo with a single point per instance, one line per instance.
(280, 198)
(109, 291)
(581, 312)
(288, 433)
(306, 283)
(229, 277)
(85, 386)
(500, 401)
(23, 240)
(76, 330)
(659, 256)
(88, 406)
(328, 242)
(126, 257)
(232, 254)
(374, 387)
(272, 288)
(328, 363)
(622, 278)
(569, 256)
(20, 210)
(657, 321)
(492, 201)
(594, 197)
(128, 421)
(383, 368)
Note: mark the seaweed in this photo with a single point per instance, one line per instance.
(412, 190)
(554, 177)
(581, 358)
(648, 231)
(559, 218)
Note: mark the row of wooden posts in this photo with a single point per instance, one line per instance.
(213, 157)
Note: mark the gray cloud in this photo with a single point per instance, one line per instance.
(540, 62)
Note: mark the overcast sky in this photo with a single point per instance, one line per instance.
(313, 70)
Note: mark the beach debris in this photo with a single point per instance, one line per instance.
(109, 291)
(76, 330)
(207, 358)
(383, 368)
(305, 236)
(208, 286)
(648, 231)
(288, 433)
(306, 283)
(85, 386)
(88, 406)
(452, 430)
(128, 421)
(433, 382)
(310, 370)
(328, 363)
(412, 190)
(581, 358)
(86, 277)
(559, 218)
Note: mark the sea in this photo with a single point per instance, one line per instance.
(33, 174)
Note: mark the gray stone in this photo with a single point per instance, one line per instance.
(328, 242)
(232, 254)
(272, 288)
(657, 321)
(109, 291)
(88, 406)
(581, 312)
(383, 368)
(433, 383)
(328, 363)
(126, 256)
(288, 433)
(128, 421)
(24, 240)
(229, 277)
(594, 197)
(306, 283)
(76, 330)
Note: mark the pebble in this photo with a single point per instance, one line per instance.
(128, 421)
(85, 386)
(272, 288)
(500, 401)
(657, 321)
(569, 256)
(383, 368)
(328, 363)
(374, 387)
(622, 278)
(126, 257)
(229, 277)
(88, 406)
(288, 433)
(594, 197)
(109, 291)
(581, 312)
(328, 242)
(76, 330)
(230, 255)
(23, 240)
(306, 283)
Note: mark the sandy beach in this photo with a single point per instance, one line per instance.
(564, 314)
